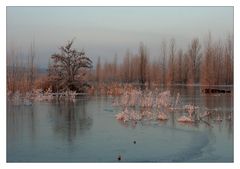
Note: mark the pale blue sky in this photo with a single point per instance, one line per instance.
(104, 31)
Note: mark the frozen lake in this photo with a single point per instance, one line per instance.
(87, 131)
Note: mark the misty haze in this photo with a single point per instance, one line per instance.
(120, 84)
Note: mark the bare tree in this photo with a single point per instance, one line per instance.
(155, 72)
(170, 72)
(194, 61)
(185, 68)
(218, 63)
(126, 67)
(207, 77)
(228, 60)
(98, 70)
(115, 76)
(164, 54)
(69, 68)
(178, 69)
(31, 66)
(143, 63)
(135, 63)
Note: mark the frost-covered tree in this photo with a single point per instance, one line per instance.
(69, 68)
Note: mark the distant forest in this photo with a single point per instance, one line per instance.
(210, 63)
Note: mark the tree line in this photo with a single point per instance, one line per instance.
(208, 64)
(21, 75)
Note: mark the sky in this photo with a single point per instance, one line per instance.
(110, 31)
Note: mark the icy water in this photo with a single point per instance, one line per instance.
(87, 131)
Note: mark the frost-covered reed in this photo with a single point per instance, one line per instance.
(144, 99)
(140, 105)
(39, 95)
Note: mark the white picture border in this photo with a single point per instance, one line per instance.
(5, 3)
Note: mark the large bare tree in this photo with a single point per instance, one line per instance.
(68, 70)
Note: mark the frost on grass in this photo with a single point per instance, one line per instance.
(39, 95)
(147, 105)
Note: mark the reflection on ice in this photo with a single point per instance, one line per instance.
(84, 130)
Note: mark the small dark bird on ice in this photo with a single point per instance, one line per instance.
(119, 158)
